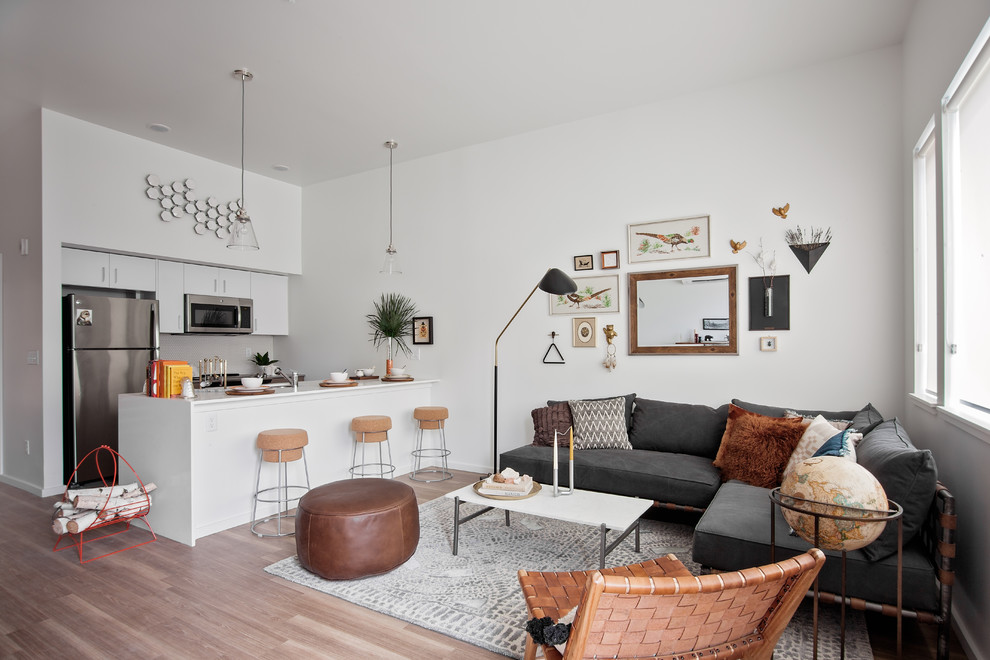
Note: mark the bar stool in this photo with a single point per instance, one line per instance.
(279, 446)
(371, 428)
(430, 418)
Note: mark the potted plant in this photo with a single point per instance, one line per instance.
(265, 363)
(392, 321)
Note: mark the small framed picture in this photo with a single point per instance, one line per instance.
(610, 259)
(584, 332)
(714, 324)
(422, 330)
(584, 262)
(768, 343)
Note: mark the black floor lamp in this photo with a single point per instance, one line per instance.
(555, 282)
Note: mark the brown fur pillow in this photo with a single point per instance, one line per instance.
(755, 448)
(545, 420)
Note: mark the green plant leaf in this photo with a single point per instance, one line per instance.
(392, 319)
(262, 359)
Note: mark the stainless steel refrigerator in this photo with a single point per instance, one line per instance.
(108, 343)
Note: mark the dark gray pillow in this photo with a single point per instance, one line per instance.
(908, 476)
(680, 428)
(777, 411)
(629, 406)
(866, 419)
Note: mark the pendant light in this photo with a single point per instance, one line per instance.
(241, 230)
(391, 263)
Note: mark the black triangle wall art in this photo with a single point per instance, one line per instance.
(809, 253)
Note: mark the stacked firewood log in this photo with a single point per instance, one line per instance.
(83, 508)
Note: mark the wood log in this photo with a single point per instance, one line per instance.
(100, 503)
(81, 524)
(137, 492)
(104, 491)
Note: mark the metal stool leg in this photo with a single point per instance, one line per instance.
(283, 493)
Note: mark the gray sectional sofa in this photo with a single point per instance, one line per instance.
(671, 462)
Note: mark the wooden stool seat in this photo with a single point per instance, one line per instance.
(430, 417)
(289, 441)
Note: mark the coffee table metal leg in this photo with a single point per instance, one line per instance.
(506, 517)
(607, 548)
(458, 520)
(602, 551)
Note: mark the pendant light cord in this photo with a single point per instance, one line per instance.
(243, 79)
(390, 150)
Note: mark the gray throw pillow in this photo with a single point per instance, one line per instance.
(679, 428)
(600, 424)
(908, 476)
(868, 413)
(629, 398)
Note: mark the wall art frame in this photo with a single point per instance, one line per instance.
(422, 330)
(585, 331)
(662, 240)
(715, 324)
(780, 319)
(598, 294)
(610, 259)
(584, 262)
(768, 344)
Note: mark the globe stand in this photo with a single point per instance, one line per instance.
(812, 508)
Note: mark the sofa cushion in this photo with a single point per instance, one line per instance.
(908, 476)
(734, 533)
(630, 398)
(815, 434)
(668, 478)
(778, 411)
(548, 419)
(682, 428)
(755, 448)
(866, 419)
(600, 424)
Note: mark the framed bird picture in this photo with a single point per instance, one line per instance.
(660, 240)
(594, 295)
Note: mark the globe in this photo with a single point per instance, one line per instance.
(837, 486)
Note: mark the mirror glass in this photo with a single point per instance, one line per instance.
(690, 311)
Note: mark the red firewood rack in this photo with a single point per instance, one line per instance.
(108, 515)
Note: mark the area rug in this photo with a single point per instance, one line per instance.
(475, 596)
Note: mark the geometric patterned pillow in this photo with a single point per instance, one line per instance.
(600, 424)
(815, 435)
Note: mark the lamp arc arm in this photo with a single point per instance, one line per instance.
(513, 319)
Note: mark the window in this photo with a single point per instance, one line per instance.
(966, 161)
(926, 268)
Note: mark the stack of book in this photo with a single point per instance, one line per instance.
(165, 377)
(509, 485)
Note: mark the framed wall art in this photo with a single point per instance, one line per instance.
(594, 295)
(768, 343)
(715, 324)
(585, 333)
(422, 330)
(779, 306)
(661, 240)
(610, 259)
(584, 262)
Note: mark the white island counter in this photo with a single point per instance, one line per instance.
(201, 452)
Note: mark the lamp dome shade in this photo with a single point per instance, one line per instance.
(557, 282)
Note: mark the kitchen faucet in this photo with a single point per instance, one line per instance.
(293, 379)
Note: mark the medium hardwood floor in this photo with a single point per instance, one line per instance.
(166, 600)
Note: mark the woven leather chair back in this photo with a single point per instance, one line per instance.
(727, 615)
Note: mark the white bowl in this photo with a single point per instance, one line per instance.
(338, 376)
(370, 371)
(398, 372)
(252, 382)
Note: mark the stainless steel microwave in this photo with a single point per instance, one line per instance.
(220, 315)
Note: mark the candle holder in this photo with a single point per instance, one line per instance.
(557, 491)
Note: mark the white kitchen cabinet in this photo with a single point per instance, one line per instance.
(270, 294)
(108, 271)
(171, 304)
(213, 281)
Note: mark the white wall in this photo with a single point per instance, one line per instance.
(75, 183)
(938, 37)
(476, 229)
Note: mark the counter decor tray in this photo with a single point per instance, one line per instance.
(330, 383)
(396, 379)
(240, 390)
(364, 377)
(532, 491)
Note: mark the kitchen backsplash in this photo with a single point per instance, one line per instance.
(233, 348)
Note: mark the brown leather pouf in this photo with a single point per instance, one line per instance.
(356, 528)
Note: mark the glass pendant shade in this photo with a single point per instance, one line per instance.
(242, 233)
(391, 264)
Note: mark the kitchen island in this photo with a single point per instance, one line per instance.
(201, 452)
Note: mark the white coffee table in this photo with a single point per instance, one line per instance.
(584, 507)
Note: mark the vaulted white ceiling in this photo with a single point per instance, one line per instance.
(335, 78)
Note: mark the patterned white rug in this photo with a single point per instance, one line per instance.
(475, 596)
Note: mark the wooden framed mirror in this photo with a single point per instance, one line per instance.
(668, 307)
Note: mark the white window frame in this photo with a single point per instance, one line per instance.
(925, 345)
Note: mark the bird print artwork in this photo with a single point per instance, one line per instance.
(669, 243)
(579, 298)
(782, 211)
(737, 245)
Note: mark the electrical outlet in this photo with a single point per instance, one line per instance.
(33, 357)
(211, 422)
(27, 447)
(248, 353)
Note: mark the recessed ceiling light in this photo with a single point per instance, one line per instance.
(280, 168)
(159, 128)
